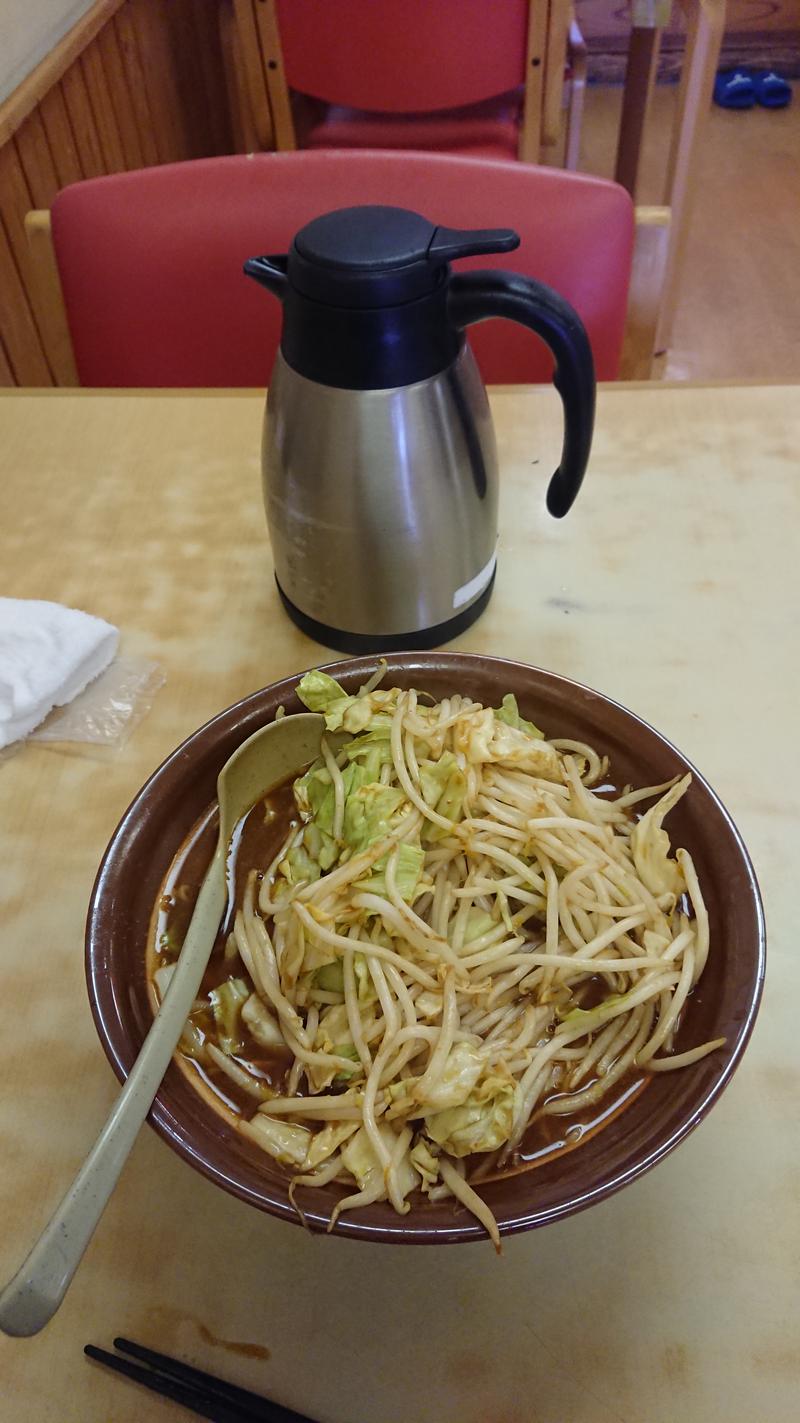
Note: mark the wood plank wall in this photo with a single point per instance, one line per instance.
(135, 83)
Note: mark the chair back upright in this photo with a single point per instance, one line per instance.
(403, 56)
(151, 261)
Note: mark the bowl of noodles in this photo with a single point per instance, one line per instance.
(488, 959)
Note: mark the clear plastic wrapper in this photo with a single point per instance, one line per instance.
(105, 713)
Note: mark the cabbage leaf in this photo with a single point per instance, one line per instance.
(325, 1142)
(482, 736)
(262, 1024)
(650, 845)
(367, 712)
(371, 812)
(510, 714)
(227, 1001)
(482, 1123)
(298, 867)
(286, 1141)
(479, 922)
(407, 871)
(424, 1161)
(444, 787)
(462, 1069)
(330, 978)
(362, 1163)
(318, 691)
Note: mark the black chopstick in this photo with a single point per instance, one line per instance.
(207, 1396)
(251, 1404)
(202, 1406)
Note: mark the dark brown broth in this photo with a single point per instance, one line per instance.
(256, 841)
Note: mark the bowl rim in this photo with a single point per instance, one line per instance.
(465, 1229)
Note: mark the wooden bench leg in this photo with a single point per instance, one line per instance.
(640, 76)
(579, 64)
(706, 22)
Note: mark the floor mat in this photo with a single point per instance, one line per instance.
(763, 34)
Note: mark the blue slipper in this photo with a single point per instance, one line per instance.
(734, 89)
(772, 92)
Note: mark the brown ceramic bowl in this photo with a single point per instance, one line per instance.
(654, 1122)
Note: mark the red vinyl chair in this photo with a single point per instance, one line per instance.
(429, 74)
(440, 75)
(151, 261)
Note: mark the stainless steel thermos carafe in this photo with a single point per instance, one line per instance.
(379, 460)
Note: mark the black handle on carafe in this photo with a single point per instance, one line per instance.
(475, 296)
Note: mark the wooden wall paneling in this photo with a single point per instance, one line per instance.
(105, 118)
(6, 373)
(54, 116)
(212, 134)
(179, 29)
(192, 83)
(107, 46)
(34, 152)
(170, 121)
(21, 339)
(249, 48)
(132, 64)
(79, 108)
(41, 80)
(15, 202)
(15, 199)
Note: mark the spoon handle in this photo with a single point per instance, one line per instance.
(32, 1297)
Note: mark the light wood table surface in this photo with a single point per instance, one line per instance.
(673, 587)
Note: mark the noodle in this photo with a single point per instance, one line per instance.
(471, 1200)
(465, 934)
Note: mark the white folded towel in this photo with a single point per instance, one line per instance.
(48, 654)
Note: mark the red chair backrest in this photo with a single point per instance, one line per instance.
(151, 261)
(403, 56)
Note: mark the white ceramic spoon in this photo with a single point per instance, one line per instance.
(32, 1297)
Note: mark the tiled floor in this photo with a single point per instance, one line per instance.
(739, 310)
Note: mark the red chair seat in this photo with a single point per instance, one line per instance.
(487, 130)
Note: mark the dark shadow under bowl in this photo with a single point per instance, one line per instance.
(724, 1005)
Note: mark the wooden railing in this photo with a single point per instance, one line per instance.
(134, 83)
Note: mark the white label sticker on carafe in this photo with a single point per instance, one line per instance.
(476, 585)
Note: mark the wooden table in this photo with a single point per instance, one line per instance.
(673, 587)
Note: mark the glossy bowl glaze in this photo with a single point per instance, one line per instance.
(655, 1121)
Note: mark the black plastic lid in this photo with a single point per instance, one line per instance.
(372, 257)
